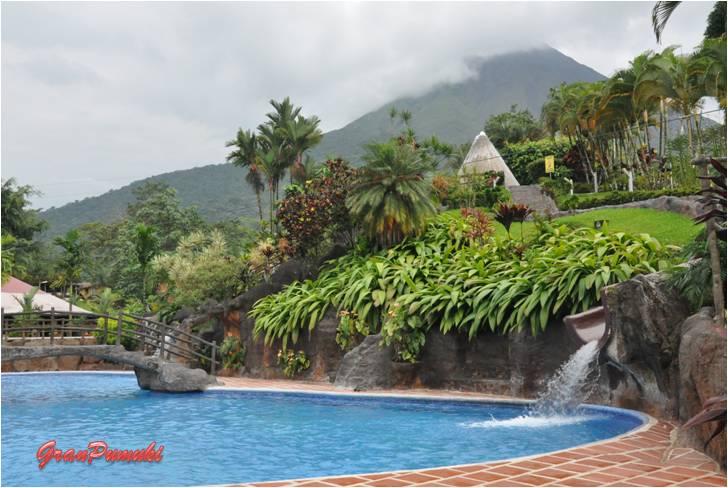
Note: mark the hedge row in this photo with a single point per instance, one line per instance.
(591, 200)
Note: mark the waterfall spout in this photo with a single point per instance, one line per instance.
(571, 385)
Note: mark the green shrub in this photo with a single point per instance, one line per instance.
(200, 268)
(520, 155)
(592, 200)
(233, 353)
(475, 191)
(443, 280)
(554, 187)
(695, 280)
(292, 362)
(129, 341)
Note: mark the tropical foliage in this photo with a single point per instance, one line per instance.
(233, 353)
(293, 362)
(512, 127)
(20, 224)
(526, 159)
(591, 200)
(72, 259)
(470, 190)
(200, 268)
(613, 123)
(390, 198)
(447, 280)
(317, 208)
(278, 146)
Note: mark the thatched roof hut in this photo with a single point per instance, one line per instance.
(484, 157)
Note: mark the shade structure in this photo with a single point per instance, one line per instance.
(484, 157)
(14, 289)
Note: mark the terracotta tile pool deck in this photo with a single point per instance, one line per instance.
(639, 458)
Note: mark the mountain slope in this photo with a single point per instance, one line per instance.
(219, 191)
(454, 112)
(457, 112)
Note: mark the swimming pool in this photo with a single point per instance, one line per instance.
(223, 436)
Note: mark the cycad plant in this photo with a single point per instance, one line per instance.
(391, 198)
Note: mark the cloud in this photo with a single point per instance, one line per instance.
(96, 95)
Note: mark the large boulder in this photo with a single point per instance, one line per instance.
(366, 367)
(322, 349)
(172, 377)
(702, 376)
(294, 270)
(645, 315)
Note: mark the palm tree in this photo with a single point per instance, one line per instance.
(106, 300)
(146, 246)
(245, 155)
(273, 161)
(406, 117)
(69, 271)
(710, 68)
(661, 13)
(306, 171)
(303, 134)
(284, 112)
(670, 79)
(27, 307)
(105, 303)
(391, 198)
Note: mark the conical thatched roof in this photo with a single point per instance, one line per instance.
(482, 157)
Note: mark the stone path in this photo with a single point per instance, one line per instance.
(637, 459)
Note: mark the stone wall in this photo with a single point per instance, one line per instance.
(516, 364)
(64, 363)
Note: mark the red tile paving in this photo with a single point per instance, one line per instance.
(641, 458)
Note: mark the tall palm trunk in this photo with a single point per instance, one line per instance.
(661, 149)
(698, 133)
(270, 207)
(260, 207)
(646, 117)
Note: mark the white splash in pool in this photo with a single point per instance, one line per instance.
(531, 422)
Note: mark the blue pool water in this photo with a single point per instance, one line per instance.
(233, 436)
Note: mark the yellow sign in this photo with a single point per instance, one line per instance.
(549, 164)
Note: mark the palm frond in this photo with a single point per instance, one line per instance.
(661, 13)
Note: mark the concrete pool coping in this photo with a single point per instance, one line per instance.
(639, 457)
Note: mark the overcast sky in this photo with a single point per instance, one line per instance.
(96, 95)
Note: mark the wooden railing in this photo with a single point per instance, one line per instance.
(143, 333)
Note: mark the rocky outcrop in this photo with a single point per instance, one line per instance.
(319, 345)
(172, 377)
(645, 315)
(366, 367)
(152, 372)
(534, 198)
(702, 376)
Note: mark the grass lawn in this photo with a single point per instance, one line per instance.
(666, 227)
